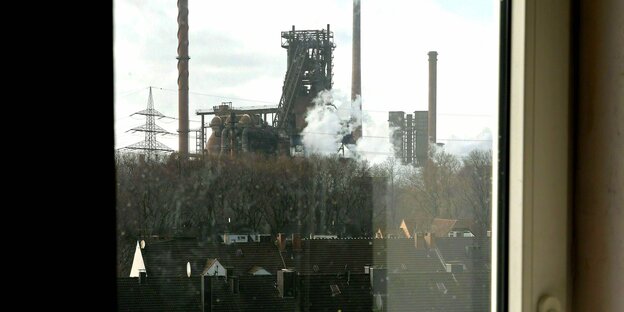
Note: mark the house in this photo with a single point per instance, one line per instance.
(347, 274)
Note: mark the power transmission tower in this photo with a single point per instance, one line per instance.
(150, 145)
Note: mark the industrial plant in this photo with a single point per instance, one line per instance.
(413, 134)
(226, 232)
(247, 130)
(277, 130)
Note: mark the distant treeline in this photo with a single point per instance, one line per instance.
(314, 195)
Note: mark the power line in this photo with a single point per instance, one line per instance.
(129, 92)
(344, 110)
(223, 97)
(386, 137)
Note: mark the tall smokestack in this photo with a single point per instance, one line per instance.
(183, 74)
(356, 79)
(433, 63)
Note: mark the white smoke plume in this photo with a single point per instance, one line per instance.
(461, 147)
(325, 124)
(334, 116)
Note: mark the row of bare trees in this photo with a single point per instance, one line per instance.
(447, 186)
(248, 194)
(314, 195)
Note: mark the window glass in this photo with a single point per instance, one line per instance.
(326, 155)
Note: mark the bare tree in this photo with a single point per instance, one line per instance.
(476, 188)
(437, 185)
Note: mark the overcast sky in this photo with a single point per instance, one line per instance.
(236, 56)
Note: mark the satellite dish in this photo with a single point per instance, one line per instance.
(188, 269)
(142, 244)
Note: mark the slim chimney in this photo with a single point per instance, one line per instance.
(142, 276)
(183, 74)
(281, 241)
(234, 284)
(419, 241)
(356, 74)
(430, 240)
(206, 293)
(433, 64)
(296, 242)
(286, 283)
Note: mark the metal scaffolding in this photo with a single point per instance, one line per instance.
(309, 71)
(409, 136)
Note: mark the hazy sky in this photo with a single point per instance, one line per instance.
(236, 56)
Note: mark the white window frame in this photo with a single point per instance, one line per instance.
(539, 157)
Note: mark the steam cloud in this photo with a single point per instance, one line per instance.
(333, 116)
(463, 146)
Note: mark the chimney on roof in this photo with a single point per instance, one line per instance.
(286, 283)
(454, 267)
(206, 293)
(378, 279)
(430, 240)
(281, 241)
(234, 283)
(296, 242)
(142, 276)
(229, 271)
(419, 241)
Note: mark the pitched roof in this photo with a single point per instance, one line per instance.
(474, 252)
(332, 256)
(258, 293)
(437, 292)
(441, 227)
(137, 262)
(401, 255)
(331, 292)
(209, 264)
(418, 224)
(255, 293)
(416, 277)
(169, 257)
(158, 294)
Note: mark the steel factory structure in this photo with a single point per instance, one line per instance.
(412, 135)
(309, 71)
(277, 130)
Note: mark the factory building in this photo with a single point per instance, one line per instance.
(236, 132)
(247, 130)
(413, 134)
(409, 136)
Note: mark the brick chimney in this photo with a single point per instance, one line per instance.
(281, 241)
(296, 242)
(419, 241)
(142, 276)
(234, 283)
(286, 283)
(430, 240)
